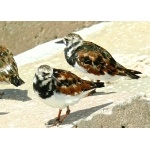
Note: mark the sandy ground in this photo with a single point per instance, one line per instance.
(19, 36)
(129, 44)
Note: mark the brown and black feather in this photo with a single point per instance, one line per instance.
(98, 61)
(8, 68)
(70, 84)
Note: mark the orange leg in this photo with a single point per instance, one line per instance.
(59, 113)
(58, 120)
(67, 113)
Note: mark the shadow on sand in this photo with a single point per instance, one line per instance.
(80, 114)
(4, 113)
(15, 94)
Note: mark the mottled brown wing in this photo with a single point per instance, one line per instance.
(8, 65)
(96, 60)
(70, 84)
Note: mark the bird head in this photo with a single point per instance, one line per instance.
(71, 39)
(44, 72)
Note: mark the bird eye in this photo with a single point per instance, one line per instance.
(45, 74)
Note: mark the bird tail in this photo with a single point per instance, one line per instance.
(132, 73)
(99, 84)
(17, 81)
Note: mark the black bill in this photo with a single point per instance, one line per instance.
(60, 42)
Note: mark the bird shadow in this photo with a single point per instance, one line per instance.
(102, 93)
(15, 94)
(4, 113)
(80, 114)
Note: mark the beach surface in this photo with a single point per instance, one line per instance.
(124, 103)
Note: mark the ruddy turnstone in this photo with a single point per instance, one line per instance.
(8, 68)
(93, 60)
(60, 88)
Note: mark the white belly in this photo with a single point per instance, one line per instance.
(104, 78)
(61, 100)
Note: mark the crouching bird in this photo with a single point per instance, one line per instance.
(8, 68)
(60, 88)
(93, 60)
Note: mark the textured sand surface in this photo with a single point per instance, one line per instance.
(20, 36)
(129, 42)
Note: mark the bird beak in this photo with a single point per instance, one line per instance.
(60, 42)
(55, 79)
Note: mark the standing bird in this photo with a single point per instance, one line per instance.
(8, 68)
(93, 60)
(60, 88)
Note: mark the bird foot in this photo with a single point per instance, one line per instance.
(52, 123)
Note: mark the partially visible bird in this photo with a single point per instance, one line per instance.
(93, 60)
(60, 88)
(8, 68)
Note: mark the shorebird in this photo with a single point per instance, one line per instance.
(8, 68)
(60, 88)
(93, 60)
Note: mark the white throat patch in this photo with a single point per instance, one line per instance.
(69, 53)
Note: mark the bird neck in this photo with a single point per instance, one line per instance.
(72, 47)
(44, 88)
